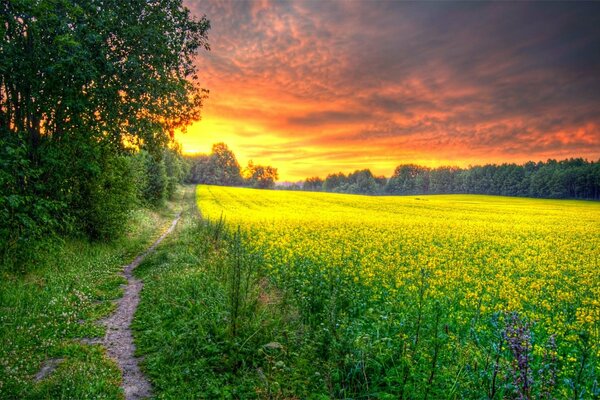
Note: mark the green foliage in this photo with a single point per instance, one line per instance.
(199, 169)
(220, 167)
(84, 372)
(572, 178)
(358, 182)
(200, 315)
(156, 179)
(155, 191)
(211, 325)
(260, 176)
(176, 170)
(334, 181)
(25, 218)
(82, 84)
(409, 179)
(110, 198)
(224, 165)
(314, 184)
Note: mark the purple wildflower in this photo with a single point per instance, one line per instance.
(517, 334)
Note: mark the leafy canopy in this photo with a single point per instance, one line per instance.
(119, 71)
(83, 84)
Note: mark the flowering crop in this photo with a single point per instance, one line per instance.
(421, 294)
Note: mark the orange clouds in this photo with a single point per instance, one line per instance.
(317, 87)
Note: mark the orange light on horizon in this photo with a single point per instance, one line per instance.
(294, 86)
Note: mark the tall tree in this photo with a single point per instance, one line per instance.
(334, 182)
(118, 71)
(83, 82)
(570, 178)
(224, 166)
(220, 167)
(260, 176)
(362, 182)
(409, 179)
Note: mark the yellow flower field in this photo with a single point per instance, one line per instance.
(441, 273)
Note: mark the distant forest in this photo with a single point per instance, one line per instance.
(573, 178)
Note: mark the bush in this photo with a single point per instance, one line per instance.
(155, 192)
(176, 170)
(25, 217)
(111, 198)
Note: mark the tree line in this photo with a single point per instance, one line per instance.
(573, 178)
(90, 95)
(221, 167)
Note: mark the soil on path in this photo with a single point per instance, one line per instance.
(119, 340)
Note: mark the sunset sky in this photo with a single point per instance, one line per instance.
(315, 87)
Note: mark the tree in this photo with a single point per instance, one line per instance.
(362, 182)
(175, 168)
(314, 184)
(110, 70)
(83, 83)
(220, 167)
(409, 179)
(442, 180)
(259, 176)
(224, 166)
(571, 178)
(334, 182)
(199, 168)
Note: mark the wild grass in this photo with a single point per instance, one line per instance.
(361, 298)
(203, 317)
(49, 312)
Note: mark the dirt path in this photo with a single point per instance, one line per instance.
(119, 340)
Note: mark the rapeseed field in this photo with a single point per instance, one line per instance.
(453, 296)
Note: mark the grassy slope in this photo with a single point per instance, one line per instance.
(45, 313)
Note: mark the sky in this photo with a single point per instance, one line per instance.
(315, 87)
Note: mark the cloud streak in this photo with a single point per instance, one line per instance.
(324, 86)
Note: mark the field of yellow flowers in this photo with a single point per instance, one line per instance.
(460, 296)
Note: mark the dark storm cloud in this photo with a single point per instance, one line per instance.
(521, 78)
(320, 118)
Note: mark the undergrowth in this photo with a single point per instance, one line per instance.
(210, 325)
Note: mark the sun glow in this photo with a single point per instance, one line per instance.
(293, 85)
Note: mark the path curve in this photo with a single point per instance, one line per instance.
(119, 340)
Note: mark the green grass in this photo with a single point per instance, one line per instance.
(46, 312)
(207, 325)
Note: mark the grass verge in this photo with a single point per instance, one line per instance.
(48, 315)
(209, 324)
